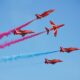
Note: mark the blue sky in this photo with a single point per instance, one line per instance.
(16, 12)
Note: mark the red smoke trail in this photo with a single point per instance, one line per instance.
(10, 31)
(21, 39)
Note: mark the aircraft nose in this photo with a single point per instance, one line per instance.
(32, 32)
(60, 61)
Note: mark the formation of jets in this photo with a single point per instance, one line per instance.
(38, 16)
(55, 28)
(68, 50)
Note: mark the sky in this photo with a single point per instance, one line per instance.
(14, 13)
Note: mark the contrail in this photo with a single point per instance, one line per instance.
(21, 39)
(25, 56)
(10, 31)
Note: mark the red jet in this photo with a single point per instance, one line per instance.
(44, 14)
(68, 50)
(54, 27)
(52, 61)
(22, 32)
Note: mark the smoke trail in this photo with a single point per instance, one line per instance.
(17, 57)
(18, 28)
(21, 39)
(10, 31)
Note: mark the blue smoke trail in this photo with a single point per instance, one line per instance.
(16, 57)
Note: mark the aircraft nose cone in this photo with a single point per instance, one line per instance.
(60, 61)
(32, 32)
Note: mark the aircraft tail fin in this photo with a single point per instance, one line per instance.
(14, 32)
(38, 16)
(46, 61)
(22, 35)
(47, 30)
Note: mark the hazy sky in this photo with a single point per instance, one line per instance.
(13, 13)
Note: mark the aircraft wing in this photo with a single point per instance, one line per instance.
(55, 32)
(60, 26)
(52, 23)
